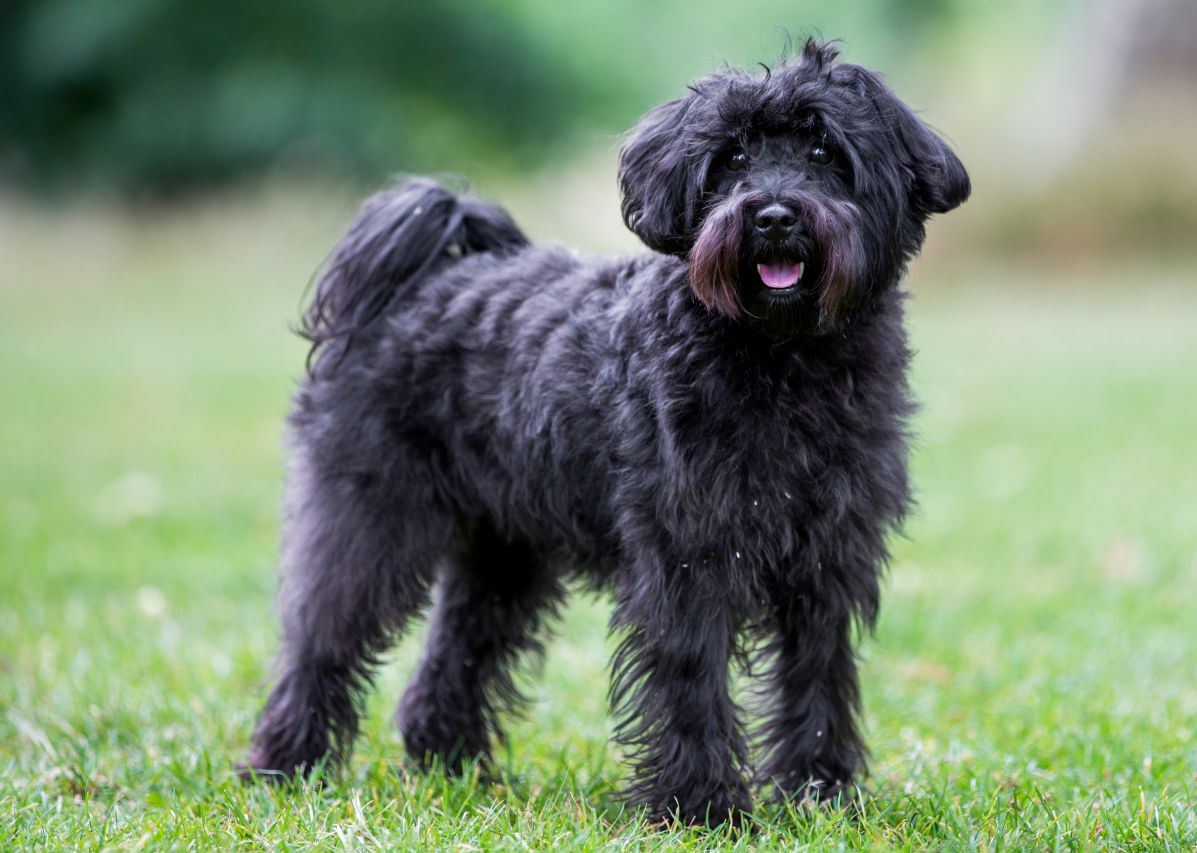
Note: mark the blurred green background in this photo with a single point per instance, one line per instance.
(171, 173)
(166, 96)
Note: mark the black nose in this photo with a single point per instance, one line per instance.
(775, 222)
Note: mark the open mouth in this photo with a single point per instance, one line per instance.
(781, 276)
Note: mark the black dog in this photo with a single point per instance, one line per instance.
(716, 432)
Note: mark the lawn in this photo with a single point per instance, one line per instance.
(1032, 682)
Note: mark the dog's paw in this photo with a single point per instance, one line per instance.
(261, 766)
(731, 804)
(823, 794)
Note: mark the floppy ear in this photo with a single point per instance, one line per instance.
(660, 181)
(940, 182)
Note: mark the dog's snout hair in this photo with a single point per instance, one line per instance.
(825, 231)
(715, 260)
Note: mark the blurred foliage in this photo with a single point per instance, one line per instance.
(168, 95)
(1135, 194)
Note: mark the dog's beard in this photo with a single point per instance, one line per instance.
(825, 255)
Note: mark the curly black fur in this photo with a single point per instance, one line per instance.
(727, 457)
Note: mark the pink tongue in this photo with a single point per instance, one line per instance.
(779, 275)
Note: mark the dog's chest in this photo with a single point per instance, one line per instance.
(756, 467)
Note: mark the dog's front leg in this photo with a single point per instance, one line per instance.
(670, 694)
(812, 744)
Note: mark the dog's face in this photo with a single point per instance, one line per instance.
(796, 195)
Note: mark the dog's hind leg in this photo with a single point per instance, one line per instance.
(358, 556)
(491, 604)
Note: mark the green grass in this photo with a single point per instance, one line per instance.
(1032, 683)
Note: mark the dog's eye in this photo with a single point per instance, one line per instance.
(737, 161)
(821, 154)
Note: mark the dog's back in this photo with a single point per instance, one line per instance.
(437, 321)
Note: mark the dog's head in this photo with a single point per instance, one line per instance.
(796, 195)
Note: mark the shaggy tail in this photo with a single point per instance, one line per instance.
(397, 237)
